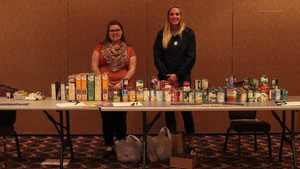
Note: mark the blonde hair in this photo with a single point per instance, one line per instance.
(167, 33)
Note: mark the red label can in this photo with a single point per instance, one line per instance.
(186, 86)
(175, 95)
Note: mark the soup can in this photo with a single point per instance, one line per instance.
(185, 96)
(125, 95)
(146, 94)
(220, 96)
(192, 96)
(274, 83)
(124, 83)
(139, 95)
(159, 95)
(180, 94)
(250, 97)
(198, 96)
(168, 95)
(139, 84)
(175, 94)
(204, 83)
(197, 84)
(152, 95)
(117, 95)
(186, 86)
(132, 95)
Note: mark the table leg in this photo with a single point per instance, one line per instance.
(284, 138)
(144, 140)
(69, 141)
(61, 134)
(293, 137)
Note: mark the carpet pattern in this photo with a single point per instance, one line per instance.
(88, 151)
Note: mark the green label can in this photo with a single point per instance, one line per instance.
(250, 97)
(246, 82)
(284, 94)
(254, 83)
(264, 80)
(274, 83)
(186, 96)
(117, 95)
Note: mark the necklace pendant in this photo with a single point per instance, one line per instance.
(175, 43)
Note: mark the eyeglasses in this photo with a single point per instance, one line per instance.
(115, 30)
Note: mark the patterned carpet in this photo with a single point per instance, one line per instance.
(88, 152)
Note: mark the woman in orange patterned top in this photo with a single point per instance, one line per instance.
(115, 57)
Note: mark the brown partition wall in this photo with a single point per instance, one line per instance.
(42, 42)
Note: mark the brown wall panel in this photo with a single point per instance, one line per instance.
(266, 38)
(33, 51)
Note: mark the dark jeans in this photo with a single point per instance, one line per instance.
(113, 124)
(187, 119)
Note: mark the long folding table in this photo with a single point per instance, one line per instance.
(152, 106)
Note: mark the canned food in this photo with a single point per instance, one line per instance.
(274, 84)
(204, 83)
(231, 95)
(167, 86)
(185, 96)
(257, 95)
(125, 95)
(284, 94)
(263, 96)
(198, 96)
(192, 96)
(255, 83)
(153, 80)
(180, 94)
(168, 95)
(250, 96)
(159, 95)
(117, 95)
(272, 94)
(232, 80)
(124, 83)
(204, 98)
(175, 94)
(243, 96)
(132, 95)
(139, 95)
(246, 82)
(139, 84)
(220, 96)
(186, 86)
(157, 85)
(197, 84)
(277, 94)
(152, 95)
(146, 94)
(212, 97)
(162, 84)
(264, 80)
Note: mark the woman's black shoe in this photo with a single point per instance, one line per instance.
(107, 154)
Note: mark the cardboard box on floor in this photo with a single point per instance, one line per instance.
(183, 161)
(178, 158)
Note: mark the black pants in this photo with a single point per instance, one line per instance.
(187, 119)
(113, 124)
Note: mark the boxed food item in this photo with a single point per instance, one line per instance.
(183, 161)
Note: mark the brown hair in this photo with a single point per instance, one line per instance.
(107, 39)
